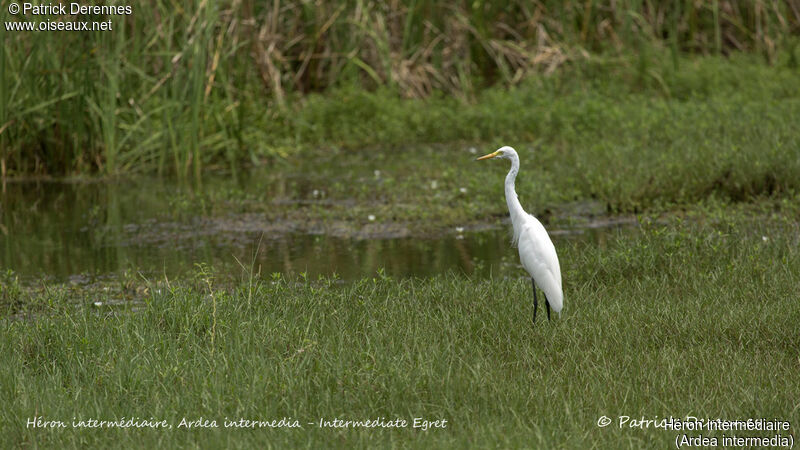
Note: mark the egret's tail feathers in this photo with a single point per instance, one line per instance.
(557, 303)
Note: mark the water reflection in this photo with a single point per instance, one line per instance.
(58, 230)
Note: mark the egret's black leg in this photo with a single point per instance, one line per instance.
(535, 301)
(547, 302)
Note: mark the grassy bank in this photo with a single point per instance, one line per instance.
(717, 130)
(713, 128)
(176, 90)
(694, 317)
(721, 129)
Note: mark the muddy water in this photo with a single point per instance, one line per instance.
(84, 231)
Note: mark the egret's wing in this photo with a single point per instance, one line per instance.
(538, 257)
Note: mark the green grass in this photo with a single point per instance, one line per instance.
(714, 128)
(718, 130)
(174, 89)
(695, 316)
(687, 112)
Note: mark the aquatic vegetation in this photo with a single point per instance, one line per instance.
(225, 84)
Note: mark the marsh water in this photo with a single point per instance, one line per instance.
(80, 231)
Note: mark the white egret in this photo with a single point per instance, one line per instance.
(536, 250)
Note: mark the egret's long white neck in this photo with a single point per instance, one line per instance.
(514, 207)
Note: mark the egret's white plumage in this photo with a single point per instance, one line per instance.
(536, 250)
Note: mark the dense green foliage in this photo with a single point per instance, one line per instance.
(719, 128)
(176, 88)
(676, 319)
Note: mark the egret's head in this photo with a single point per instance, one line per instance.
(502, 152)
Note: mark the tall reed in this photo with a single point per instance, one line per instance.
(178, 85)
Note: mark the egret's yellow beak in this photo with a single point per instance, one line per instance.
(490, 155)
